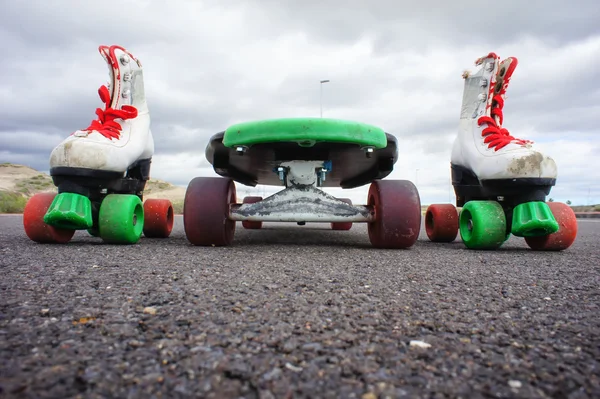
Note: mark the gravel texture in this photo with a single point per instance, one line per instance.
(297, 312)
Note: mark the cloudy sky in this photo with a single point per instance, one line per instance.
(395, 64)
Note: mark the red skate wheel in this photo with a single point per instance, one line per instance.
(158, 218)
(206, 211)
(35, 227)
(342, 225)
(397, 208)
(441, 222)
(247, 224)
(564, 237)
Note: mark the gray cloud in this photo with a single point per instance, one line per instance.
(436, 22)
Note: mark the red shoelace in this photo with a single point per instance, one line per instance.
(495, 135)
(105, 124)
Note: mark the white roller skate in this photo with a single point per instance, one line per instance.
(500, 181)
(101, 171)
(120, 139)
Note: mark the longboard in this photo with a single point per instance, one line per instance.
(250, 152)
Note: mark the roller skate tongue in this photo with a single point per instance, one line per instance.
(505, 71)
(114, 73)
(480, 60)
(107, 124)
(496, 136)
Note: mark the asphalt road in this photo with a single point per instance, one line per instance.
(297, 311)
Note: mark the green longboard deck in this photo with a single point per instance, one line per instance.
(305, 132)
(270, 142)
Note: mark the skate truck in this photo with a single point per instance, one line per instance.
(501, 182)
(302, 155)
(101, 171)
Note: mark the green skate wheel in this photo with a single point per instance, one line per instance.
(482, 225)
(121, 219)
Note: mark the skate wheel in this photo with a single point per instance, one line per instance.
(247, 224)
(158, 218)
(342, 225)
(121, 219)
(206, 211)
(397, 213)
(441, 222)
(482, 225)
(35, 227)
(564, 237)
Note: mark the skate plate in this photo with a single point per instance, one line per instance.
(354, 153)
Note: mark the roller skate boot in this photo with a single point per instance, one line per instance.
(101, 171)
(500, 181)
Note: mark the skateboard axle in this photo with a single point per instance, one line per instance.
(238, 212)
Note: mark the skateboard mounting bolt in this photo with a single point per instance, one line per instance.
(124, 59)
(369, 151)
(125, 94)
(281, 171)
(126, 77)
(241, 150)
(484, 82)
(482, 97)
(323, 174)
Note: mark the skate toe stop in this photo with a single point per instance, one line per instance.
(533, 219)
(70, 211)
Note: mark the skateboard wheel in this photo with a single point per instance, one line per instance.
(247, 224)
(158, 218)
(33, 221)
(441, 222)
(564, 237)
(342, 225)
(397, 207)
(482, 225)
(206, 211)
(121, 219)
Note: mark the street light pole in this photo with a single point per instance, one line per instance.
(321, 95)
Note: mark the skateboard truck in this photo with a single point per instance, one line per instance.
(301, 201)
